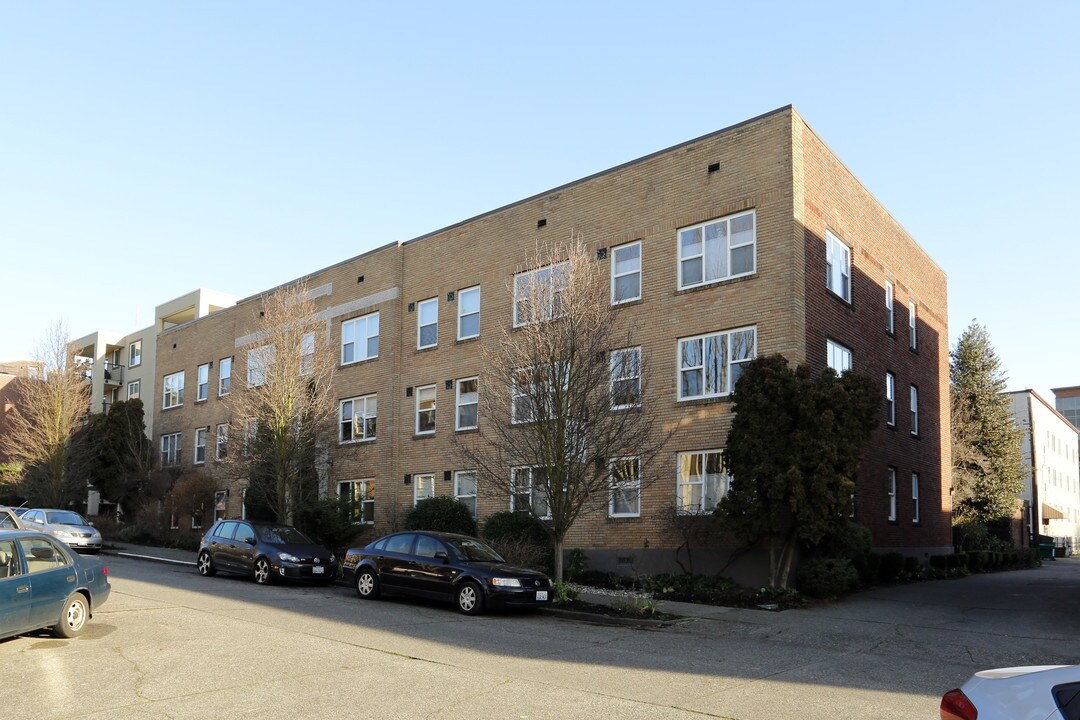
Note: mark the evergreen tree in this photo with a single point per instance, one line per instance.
(987, 465)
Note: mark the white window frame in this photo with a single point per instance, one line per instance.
(916, 515)
(221, 444)
(137, 384)
(434, 405)
(890, 399)
(359, 495)
(913, 340)
(428, 480)
(200, 445)
(729, 249)
(135, 354)
(259, 359)
(369, 409)
(174, 521)
(914, 398)
(469, 499)
(890, 313)
(616, 275)
(530, 489)
(532, 378)
(726, 362)
(892, 494)
(632, 485)
(354, 326)
(172, 393)
(224, 376)
(202, 383)
(307, 353)
(196, 518)
(221, 499)
(171, 444)
(616, 364)
(838, 354)
(461, 314)
(680, 483)
(422, 307)
(549, 282)
(837, 266)
(458, 404)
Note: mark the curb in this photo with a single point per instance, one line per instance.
(599, 619)
(150, 558)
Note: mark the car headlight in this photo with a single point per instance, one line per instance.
(506, 582)
(62, 533)
(288, 558)
(333, 558)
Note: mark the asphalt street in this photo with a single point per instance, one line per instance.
(172, 644)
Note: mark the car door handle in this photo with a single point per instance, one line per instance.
(22, 589)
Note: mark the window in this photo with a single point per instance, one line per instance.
(528, 490)
(200, 445)
(135, 354)
(892, 494)
(196, 518)
(625, 378)
(41, 556)
(307, 354)
(839, 357)
(425, 410)
(710, 365)
(173, 393)
(837, 266)
(914, 410)
(717, 250)
(202, 387)
(359, 497)
(358, 419)
(427, 324)
(220, 499)
(174, 521)
(537, 293)
(533, 386)
(251, 434)
(360, 339)
(915, 498)
(702, 481)
(222, 450)
(890, 399)
(626, 273)
(259, 361)
(170, 450)
(913, 341)
(134, 389)
(423, 487)
(890, 315)
(224, 376)
(468, 403)
(625, 482)
(468, 313)
(465, 489)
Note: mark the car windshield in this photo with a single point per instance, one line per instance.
(474, 550)
(282, 535)
(65, 518)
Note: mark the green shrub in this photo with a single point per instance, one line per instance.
(852, 541)
(827, 577)
(563, 593)
(329, 523)
(520, 538)
(441, 514)
(869, 567)
(576, 562)
(911, 566)
(684, 584)
(962, 560)
(940, 562)
(892, 564)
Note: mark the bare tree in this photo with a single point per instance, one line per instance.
(50, 409)
(566, 435)
(282, 409)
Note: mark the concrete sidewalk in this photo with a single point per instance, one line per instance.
(172, 556)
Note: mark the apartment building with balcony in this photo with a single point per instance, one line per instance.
(751, 240)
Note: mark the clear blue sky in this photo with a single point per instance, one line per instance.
(238, 145)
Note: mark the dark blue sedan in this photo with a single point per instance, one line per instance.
(43, 583)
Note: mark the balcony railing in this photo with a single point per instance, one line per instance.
(114, 374)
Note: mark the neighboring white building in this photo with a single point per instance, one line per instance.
(1052, 474)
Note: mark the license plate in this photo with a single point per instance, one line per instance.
(541, 595)
(318, 570)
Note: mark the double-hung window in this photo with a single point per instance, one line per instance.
(307, 354)
(890, 399)
(259, 361)
(915, 498)
(912, 321)
(358, 497)
(222, 450)
(529, 490)
(914, 410)
(170, 450)
(202, 386)
(702, 481)
(465, 489)
(890, 315)
(134, 388)
(425, 410)
(839, 356)
(625, 378)
(625, 482)
(423, 487)
(224, 385)
(135, 354)
(172, 394)
(892, 494)
(626, 273)
(717, 250)
(358, 417)
(468, 403)
(200, 445)
(468, 313)
(837, 266)
(536, 391)
(710, 365)
(538, 293)
(427, 324)
(360, 339)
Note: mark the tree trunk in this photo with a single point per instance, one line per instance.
(558, 559)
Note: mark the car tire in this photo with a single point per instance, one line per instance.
(469, 598)
(367, 584)
(205, 564)
(73, 616)
(262, 571)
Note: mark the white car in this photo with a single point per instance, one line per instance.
(65, 525)
(1036, 692)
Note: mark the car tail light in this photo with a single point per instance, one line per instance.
(956, 706)
(105, 570)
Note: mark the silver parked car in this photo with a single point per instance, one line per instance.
(65, 525)
(10, 520)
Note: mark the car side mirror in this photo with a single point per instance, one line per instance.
(441, 555)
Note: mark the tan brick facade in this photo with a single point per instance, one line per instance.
(773, 165)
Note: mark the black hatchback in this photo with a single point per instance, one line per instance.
(265, 552)
(444, 566)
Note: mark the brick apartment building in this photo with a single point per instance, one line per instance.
(756, 232)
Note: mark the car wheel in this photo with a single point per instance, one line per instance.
(206, 564)
(73, 617)
(470, 598)
(262, 571)
(367, 585)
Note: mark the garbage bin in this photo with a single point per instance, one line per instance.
(1046, 547)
